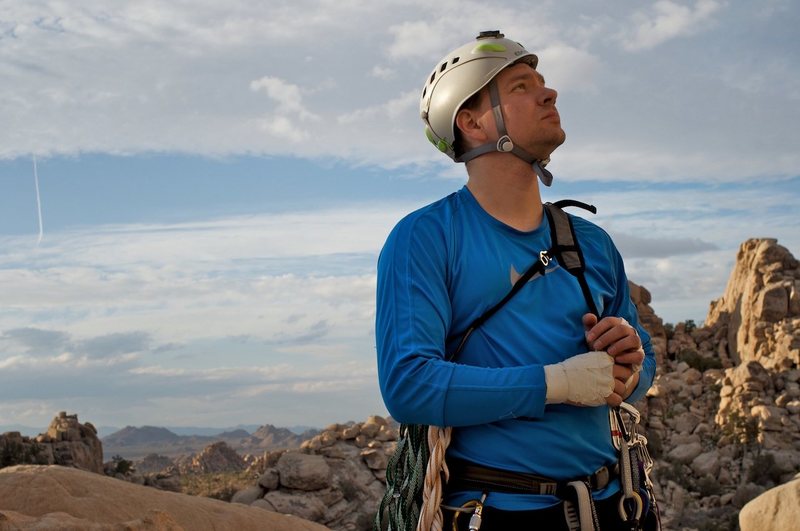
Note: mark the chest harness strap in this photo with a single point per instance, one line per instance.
(564, 248)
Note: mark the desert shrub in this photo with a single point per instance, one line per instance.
(743, 430)
(689, 326)
(764, 470)
(121, 465)
(669, 329)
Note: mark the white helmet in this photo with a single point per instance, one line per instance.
(457, 77)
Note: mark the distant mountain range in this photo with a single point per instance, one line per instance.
(104, 431)
(137, 442)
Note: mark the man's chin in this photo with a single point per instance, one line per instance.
(557, 140)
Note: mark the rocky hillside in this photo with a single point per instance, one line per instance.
(336, 478)
(722, 416)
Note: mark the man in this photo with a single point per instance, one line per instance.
(529, 392)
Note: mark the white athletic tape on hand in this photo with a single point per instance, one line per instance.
(586, 379)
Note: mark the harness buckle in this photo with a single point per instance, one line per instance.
(600, 478)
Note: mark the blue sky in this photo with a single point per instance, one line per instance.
(217, 179)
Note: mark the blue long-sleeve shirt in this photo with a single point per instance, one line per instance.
(441, 268)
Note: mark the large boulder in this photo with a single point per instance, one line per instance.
(778, 508)
(36, 497)
(303, 471)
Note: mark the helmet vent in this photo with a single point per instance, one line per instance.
(455, 60)
(424, 91)
(441, 68)
(433, 76)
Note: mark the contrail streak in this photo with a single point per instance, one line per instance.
(38, 201)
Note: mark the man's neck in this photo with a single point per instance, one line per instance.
(508, 192)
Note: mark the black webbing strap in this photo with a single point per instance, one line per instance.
(465, 475)
(537, 267)
(565, 249)
(565, 246)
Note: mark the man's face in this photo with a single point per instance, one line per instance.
(529, 110)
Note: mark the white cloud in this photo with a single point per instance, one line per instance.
(287, 95)
(569, 69)
(246, 310)
(419, 38)
(666, 21)
(227, 277)
(382, 72)
(392, 109)
(255, 78)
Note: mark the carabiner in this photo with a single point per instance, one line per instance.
(638, 504)
(544, 258)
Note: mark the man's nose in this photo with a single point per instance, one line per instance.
(548, 96)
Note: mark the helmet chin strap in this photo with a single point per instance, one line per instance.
(505, 144)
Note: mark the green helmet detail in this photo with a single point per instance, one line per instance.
(458, 76)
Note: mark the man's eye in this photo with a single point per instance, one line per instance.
(520, 86)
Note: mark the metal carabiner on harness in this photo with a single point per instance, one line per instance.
(627, 442)
(636, 513)
(476, 519)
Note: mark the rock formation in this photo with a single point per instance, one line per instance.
(53, 497)
(67, 442)
(758, 317)
(336, 478)
(269, 437)
(217, 457)
(153, 463)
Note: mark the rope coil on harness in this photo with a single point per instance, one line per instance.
(431, 517)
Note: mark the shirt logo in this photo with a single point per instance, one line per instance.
(515, 275)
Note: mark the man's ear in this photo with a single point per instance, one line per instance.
(471, 129)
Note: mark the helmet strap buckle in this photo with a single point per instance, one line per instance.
(505, 144)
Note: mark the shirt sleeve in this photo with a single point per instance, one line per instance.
(413, 317)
